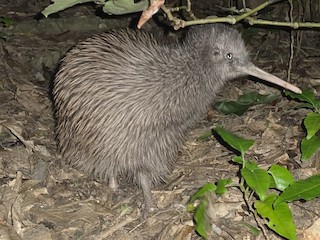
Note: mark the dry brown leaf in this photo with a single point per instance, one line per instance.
(313, 232)
(8, 233)
(29, 97)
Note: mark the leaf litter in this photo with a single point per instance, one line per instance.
(41, 198)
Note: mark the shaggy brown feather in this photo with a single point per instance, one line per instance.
(124, 100)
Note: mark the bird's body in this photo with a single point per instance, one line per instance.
(125, 101)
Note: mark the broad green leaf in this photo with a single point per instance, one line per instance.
(231, 107)
(119, 7)
(59, 5)
(208, 187)
(237, 159)
(251, 165)
(255, 98)
(312, 124)
(201, 221)
(272, 183)
(309, 147)
(280, 217)
(307, 95)
(258, 180)
(244, 102)
(306, 189)
(221, 186)
(238, 143)
(281, 176)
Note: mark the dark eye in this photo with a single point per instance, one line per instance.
(229, 56)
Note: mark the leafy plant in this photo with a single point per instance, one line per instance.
(311, 143)
(258, 182)
(117, 7)
(245, 101)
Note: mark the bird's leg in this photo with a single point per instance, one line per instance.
(145, 184)
(116, 191)
(113, 184)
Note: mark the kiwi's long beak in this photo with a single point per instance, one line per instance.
(259, 73)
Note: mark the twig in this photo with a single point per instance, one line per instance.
(255, 10)
(291, 43)
(116, 227)
(294, 25)
(180, 23)
(247, 200)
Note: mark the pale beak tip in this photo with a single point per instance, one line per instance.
(259, 73)
(296, 90)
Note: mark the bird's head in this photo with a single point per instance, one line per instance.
(224, 52)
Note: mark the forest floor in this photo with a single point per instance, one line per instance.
(42, 198)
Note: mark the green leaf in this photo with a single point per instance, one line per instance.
(208, 187)
(307, 95)
(307, 189)
(280, 217)
(255, 98)
(258, 180)
(231, 107)
(251, 165)
(309, 147)
(201, 221)
(221, 186)
(119, 7)
(237, 159)
(238, 143)
(312, 124)
(272, 183)
(281, 176)
(244, 102)
(59, 5)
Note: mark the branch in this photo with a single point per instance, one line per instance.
(247, 16)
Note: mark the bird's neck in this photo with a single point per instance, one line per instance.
(194, 72)
(190, 81)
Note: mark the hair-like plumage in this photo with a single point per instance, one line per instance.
(124, 100)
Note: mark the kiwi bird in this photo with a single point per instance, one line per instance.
(125, 101)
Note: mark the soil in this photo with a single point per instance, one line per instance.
(42, 198)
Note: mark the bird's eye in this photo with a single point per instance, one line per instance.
(229, 56)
